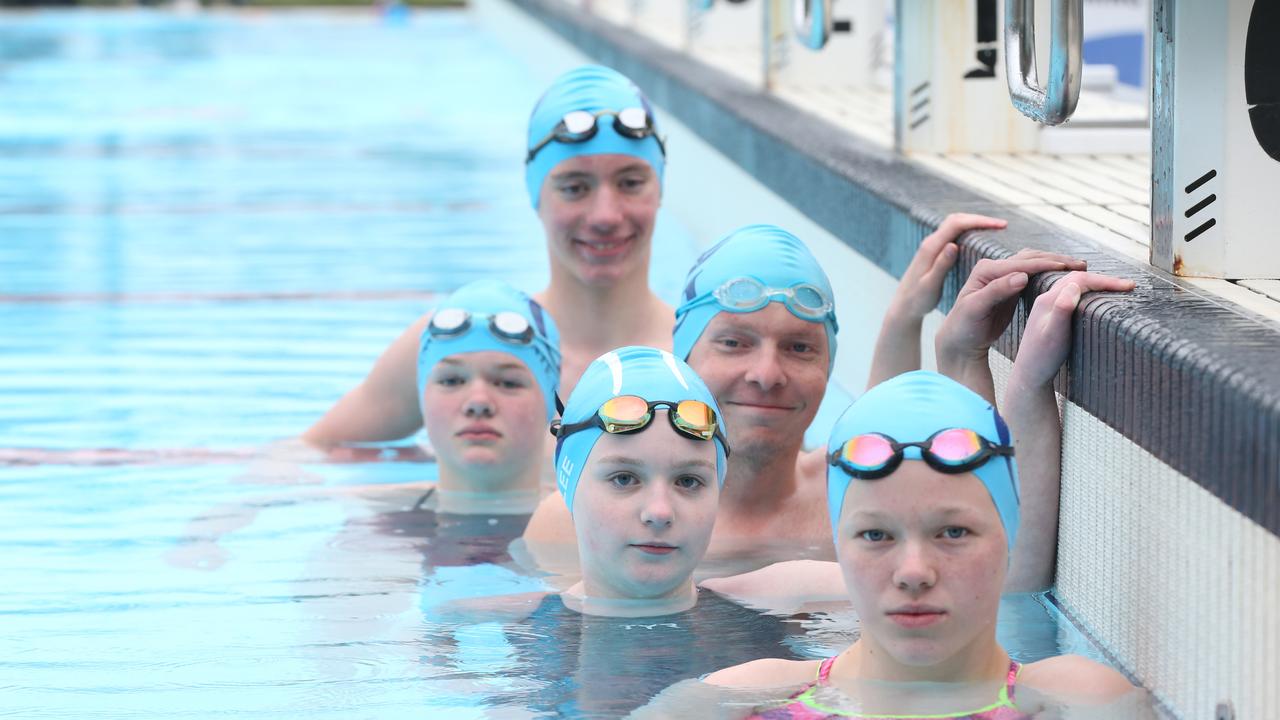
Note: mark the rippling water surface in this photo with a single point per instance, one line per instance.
(210, 225)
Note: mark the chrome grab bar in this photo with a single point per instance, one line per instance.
(812, 22)
(1055, 103)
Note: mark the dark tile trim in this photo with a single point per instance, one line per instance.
(1188, 376)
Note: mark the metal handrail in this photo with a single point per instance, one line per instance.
(1055, 103)
(812, 22)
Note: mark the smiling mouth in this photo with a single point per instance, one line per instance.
(762, 406)
(603, 248)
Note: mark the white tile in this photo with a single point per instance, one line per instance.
(1137, 231)
(1032, 185)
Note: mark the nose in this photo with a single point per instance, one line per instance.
(605, 214)
(766, 369)
(915, 571)
(479, 403)
(658, 512)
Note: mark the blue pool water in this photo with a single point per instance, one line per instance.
(209, 227)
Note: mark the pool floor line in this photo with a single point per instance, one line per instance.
(110, 457)
(215, 297)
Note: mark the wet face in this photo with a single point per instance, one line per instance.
(643, 512)
(768, 371)
(484, 411)
(598, 212)
(923, 555)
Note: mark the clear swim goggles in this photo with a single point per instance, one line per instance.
(747, 294)
(952, 450)
(507, 326)
(626, 414)
(581, 125)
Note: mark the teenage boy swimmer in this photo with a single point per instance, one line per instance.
(758, 323)
(640, 459)
(594, 174)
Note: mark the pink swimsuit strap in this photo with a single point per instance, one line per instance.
(801, 707)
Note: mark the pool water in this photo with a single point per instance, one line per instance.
(210, 225)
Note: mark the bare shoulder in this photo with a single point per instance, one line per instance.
(811, 466)
(551, 522)
(1076, 679)
(769, 672)
(794, 579)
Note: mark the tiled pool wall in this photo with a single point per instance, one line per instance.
(1168, 549)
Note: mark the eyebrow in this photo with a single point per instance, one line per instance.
(702, 464)
(633, 167)
(945, 511)
(573, 175)
(634, 462)
(622, 460)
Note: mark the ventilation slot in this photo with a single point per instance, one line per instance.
(1203, 227)
(919, 113)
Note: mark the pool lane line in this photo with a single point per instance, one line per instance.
(112, 457)
(212, 297)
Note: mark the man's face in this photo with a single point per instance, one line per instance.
(768, 371)
(598, 212)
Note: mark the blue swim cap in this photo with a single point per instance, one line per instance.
(767, 253)
(636, 370)
(910, 408)
(592, 88)
(489, 297)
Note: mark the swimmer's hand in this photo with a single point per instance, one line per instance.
(1047, 340)
(921, 285)
(983, 309)
(898, 346)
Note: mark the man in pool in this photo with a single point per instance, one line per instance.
(758, 323)
(594, 173)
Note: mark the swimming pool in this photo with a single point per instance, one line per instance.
(212, 224)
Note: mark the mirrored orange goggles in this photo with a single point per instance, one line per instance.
(631, 413)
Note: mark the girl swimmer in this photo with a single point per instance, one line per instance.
(640, 459)
(923, 497)
(488, 369)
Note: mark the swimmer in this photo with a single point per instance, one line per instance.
(640, 460)
(594, 172)
(488, 369)
(758, 323)
(924, 509)
(487, 372)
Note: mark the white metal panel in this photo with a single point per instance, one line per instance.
(1217, 187)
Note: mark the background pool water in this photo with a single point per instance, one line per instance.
(210, 225)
